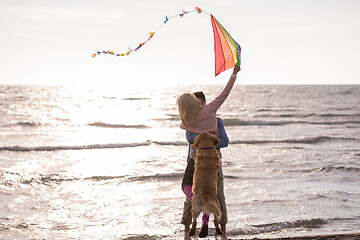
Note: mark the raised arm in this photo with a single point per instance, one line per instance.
(219, 100)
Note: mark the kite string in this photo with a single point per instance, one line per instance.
(197, 9)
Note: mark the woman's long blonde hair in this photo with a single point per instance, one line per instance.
(189, 108)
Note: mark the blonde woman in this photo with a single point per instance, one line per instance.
(197, 116)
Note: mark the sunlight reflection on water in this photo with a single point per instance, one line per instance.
(81, 164)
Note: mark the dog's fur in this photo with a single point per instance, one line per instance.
(207, 165)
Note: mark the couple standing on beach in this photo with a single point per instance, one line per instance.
(197, 117)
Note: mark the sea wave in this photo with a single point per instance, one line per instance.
(22, 124)
(79, 147)
(328, 169)
(128, 178)
(135, 98)
(175, 143)
(9, 179)
(143, 237)
(157, 177)
(300, 115)
(285, 115)
(108, 125)
(339, 168)
(278, 226)
(54, 179)
(240, 122)
(327, 115)
(308, 140)
(48, 180)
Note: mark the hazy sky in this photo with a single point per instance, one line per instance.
(283, 41)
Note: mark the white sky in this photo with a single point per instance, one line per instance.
(283, 41)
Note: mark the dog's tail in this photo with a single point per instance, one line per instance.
(211, 205)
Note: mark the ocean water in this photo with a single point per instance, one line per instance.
(87, 163)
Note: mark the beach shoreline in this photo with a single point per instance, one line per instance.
(342, 236)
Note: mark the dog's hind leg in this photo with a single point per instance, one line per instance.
(196, 210)
(217, 227)
(217, 220)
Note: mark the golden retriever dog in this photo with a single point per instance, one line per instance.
(207, 165)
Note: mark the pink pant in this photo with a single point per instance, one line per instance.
(188, 192)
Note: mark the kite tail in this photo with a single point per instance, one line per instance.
(130, 50)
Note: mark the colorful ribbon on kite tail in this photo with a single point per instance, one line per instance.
(130, 50)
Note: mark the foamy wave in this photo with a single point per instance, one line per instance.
(157, 177)
(328, 115)
(285, 115)
(239, 122)
(135, 99)
(88, 147)
(107, 125)
(142, 178)
(340, 168)
(144, 237)
(177, 143)
(23, 124)
(81, 147)
(47, 180)
(55, 179)
(299, 115)
(273, 227)
(309, 140)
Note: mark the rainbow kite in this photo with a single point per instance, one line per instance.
(227, 50)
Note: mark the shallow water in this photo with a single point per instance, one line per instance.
(107, 164)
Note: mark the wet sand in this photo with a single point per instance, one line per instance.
(350, 236)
